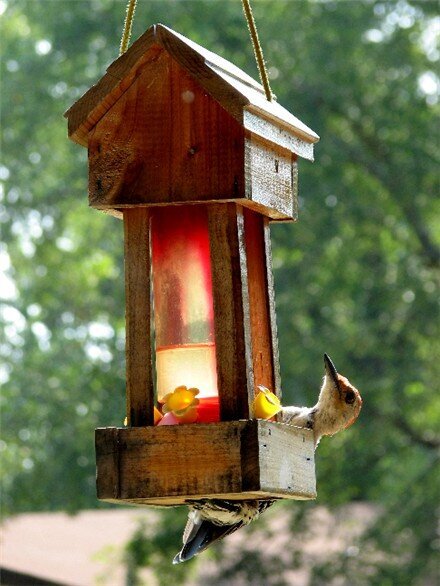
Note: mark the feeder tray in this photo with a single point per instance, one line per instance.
(172, 464)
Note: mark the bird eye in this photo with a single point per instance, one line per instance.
(349, 397)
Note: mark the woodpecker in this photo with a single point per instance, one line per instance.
(338, 406)
(209, 520)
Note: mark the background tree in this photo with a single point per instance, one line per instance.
(357, 277)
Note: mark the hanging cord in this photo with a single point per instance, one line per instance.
(257, 48)
(126, 34)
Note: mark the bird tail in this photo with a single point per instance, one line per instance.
(200, 534)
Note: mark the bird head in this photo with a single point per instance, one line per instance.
(339, 397)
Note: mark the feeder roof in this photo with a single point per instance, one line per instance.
(240, 95)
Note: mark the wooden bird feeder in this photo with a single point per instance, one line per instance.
(185, 148)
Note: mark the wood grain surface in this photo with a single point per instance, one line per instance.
(165, 140)
(262, 355)
(138, 350)
(173, 464)
(231, 310)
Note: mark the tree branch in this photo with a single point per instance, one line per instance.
(380, 171)
(403, 425)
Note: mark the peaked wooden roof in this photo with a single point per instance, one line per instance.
(236, 91)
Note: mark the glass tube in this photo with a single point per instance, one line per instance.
(183, 307)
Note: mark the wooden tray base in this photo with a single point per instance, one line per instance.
(170, 465)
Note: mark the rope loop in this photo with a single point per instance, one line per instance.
(257, 49)
(126, 33)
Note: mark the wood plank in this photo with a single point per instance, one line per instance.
(182, 148)
(168, 461)
(272, 309)
(116, 150)
(294, 183)
(206, 144)
(231, 311)
(286, 460)
(107, 462)
(187, 499)
(269, 130)
(169, 465)
(270, 213)
(268, 173)
(262, 355)
(139, 369)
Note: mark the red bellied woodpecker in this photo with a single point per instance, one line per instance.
(338, 407)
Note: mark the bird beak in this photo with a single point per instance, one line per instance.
(330, 370)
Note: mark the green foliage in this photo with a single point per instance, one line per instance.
(357, 277)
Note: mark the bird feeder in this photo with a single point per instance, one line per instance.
(185, 148)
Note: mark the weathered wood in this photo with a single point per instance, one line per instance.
(107, 453)
(262, 126)
(272, 308)
(258, 301)
(231, 310)
(286, 464)
(269, 182)
(165, 140)
(139, 370)
(169, 465)
(233, 89)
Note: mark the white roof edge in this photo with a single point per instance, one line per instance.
(212, 59)
(272, 111)
(277, 134)
(296, 129)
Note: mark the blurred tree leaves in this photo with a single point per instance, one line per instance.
(357, 277)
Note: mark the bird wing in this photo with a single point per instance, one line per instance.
(199, 535)
(298, 416)
(200, 532)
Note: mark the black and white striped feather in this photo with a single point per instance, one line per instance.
(211, 520)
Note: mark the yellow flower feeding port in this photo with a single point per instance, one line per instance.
(266, 404)
(182, 404)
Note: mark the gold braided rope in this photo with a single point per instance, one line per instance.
(126, 34)
(257, 48)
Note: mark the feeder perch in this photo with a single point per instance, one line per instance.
(186, 149)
